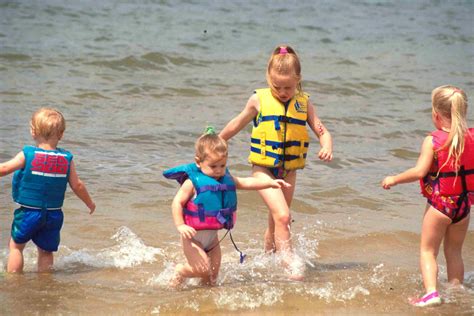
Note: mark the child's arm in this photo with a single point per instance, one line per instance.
(79, 188)
(185, 193)
(240, 121)
(325, 139)
(252, 183)
(422, 167)
(13, 164)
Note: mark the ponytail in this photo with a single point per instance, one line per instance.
(451, 103)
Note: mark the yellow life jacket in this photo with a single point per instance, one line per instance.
(279, 136)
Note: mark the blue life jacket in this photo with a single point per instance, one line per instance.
(215, 202)
(43, 181)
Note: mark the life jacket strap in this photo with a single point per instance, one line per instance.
(277, 157)
(281, 119)
(242, 255)
(215, 188)
(275, 144)
(462, 172)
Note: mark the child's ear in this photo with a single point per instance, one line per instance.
(32, 131)
(198, 161)
(60, 136)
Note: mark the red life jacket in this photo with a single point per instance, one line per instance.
(442, 178)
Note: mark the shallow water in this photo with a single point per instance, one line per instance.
(139, 82)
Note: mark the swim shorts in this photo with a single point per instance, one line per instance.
(455, 207)
(42, 227)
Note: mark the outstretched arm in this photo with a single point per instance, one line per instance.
(240, 121)
(13, 164)
(422, 167)
(184, 194)
(79, 188)
(252, 183)
(325, 139)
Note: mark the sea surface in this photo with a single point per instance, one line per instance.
(138, 81)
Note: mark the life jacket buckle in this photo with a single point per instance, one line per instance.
(263, 144)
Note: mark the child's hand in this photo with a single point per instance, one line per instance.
(186, 231)
(388, 182)
(325, 154)
(280, 183)
(91, 208)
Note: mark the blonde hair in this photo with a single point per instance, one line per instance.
(210, 144)
(284, 61)
(48, 122)
(450, 102)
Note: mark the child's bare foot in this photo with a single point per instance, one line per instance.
(294, 266)
(177, 279)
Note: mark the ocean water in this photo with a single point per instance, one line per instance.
(138, 81)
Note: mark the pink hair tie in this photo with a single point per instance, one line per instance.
(456, 90)
(283, 50)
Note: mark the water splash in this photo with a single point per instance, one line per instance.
(130, 251)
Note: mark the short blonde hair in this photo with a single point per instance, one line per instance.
(48, 122)
(210, 144)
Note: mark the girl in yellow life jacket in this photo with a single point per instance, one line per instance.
(279, 143)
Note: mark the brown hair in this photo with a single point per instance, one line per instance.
(284, 61)
(450, 102)
(48, 122)
(210, 143)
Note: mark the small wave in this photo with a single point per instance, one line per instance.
(404, 153)
(130, 251)
(127, 63)
(91, 95)
(15, 57)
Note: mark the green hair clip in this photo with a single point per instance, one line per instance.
(210, 130)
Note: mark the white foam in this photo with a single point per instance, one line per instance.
(264, 295)
(129, 251)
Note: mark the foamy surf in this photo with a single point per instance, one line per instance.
(129, 251)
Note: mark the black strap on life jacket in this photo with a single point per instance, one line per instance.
(242, 255)
(464, 196)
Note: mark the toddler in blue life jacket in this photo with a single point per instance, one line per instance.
(206, 202)
(42, 173)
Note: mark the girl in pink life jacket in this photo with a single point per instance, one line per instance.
(198, 212)
(445, 169)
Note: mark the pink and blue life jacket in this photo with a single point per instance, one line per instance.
(43, 181)
(215, 204)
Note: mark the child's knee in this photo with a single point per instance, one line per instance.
(282, 219)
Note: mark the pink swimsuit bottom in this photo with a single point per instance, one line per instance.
(455, 207)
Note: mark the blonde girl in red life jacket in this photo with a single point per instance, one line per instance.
(279, 144)
(445, 169)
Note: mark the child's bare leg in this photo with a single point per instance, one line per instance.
(269, 241)
(433, 230)
(269, 238)
(215, 261)
(15, 258)
(198, 263)
(453, 241)
(45, 260)
(276, 201)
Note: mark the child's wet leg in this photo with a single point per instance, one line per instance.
(269, 238)
(215, 257)
(433, 230)
(15, 258)
(45, 260)
(453, 242)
